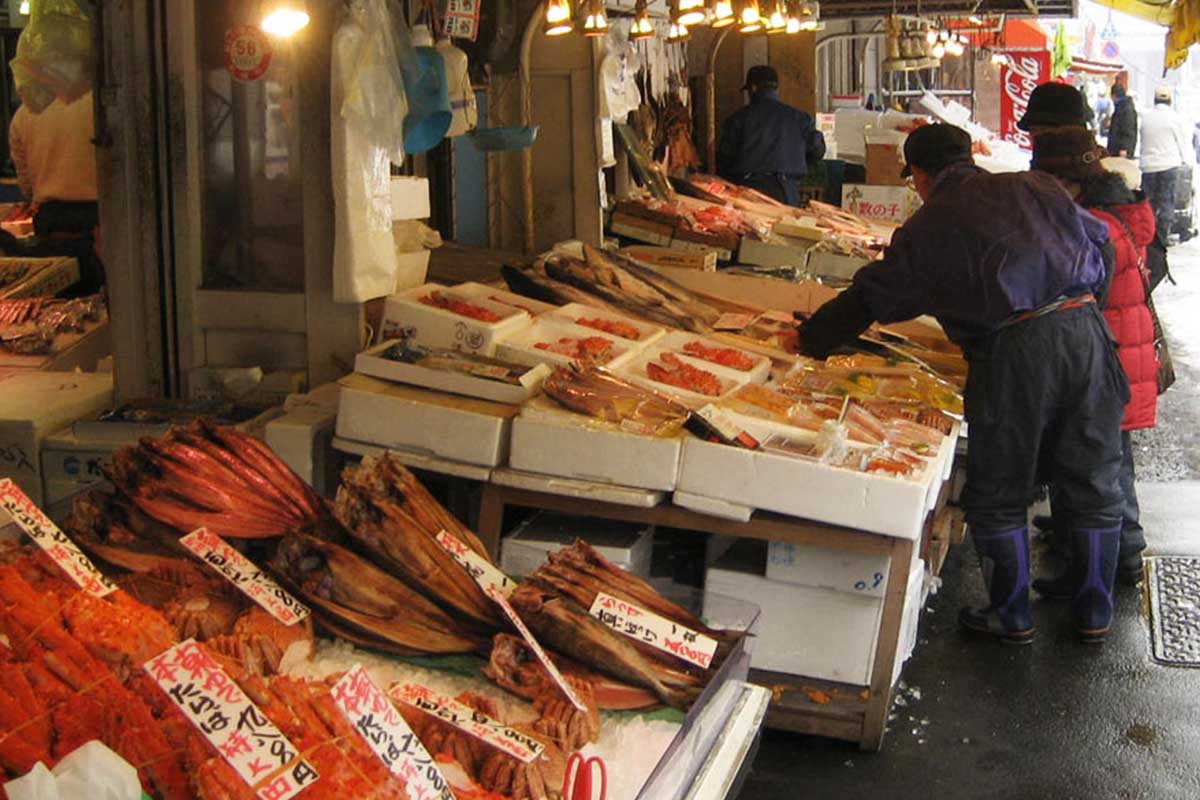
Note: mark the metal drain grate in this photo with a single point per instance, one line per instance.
(1174, 584)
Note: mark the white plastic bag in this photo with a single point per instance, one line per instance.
(463, 109)
(89, 772)
(366, 132)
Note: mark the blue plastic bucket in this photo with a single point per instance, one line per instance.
(429, 114)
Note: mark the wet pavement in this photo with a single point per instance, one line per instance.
(1058, 719)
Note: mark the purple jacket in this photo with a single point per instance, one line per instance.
(982, 248)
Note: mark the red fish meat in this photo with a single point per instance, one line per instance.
(685, 376)
(725, 356)
(460, 307)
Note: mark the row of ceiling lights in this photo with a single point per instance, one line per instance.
(781, 16)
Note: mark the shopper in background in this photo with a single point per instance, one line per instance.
(1123, 130)
(768, 145)
(56, 171)
(1071, 155)
(1164, 151)
(1011, 267)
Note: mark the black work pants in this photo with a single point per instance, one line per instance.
(1160, 191)
(1044, 403)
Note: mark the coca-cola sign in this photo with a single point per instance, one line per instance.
(1019, 76)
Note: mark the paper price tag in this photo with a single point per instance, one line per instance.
(502, 601)
(654, 630)
(726, 426)
(257, 750)
(372, 714)
(53, 541)
(462, 19)
(733, 321)
(241, 572)
(778, 316)
(519, 745)
(476, 565)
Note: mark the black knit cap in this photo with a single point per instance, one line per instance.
(1055, 104)
(932, 147)
(762, 77)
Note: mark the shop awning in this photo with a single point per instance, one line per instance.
(1095, 67)
(1181, 18)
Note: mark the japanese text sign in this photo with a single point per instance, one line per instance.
(654, 630)
(53, 541)
(511, 613)
(372, 714)
(462, 19)
(241, 572)
(257, 750)
(521, 746)
(476, 565)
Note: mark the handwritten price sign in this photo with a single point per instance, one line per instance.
(519, 624)
(241, 572)
(654, 630)
(388, 735)
(476, 565)
(497, 734)
(257, 750)
(53, 541)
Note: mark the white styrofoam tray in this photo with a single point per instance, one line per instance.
(404, 314)
(372, 362)
(576, 487)
(573, 312)
(677, 340)
(408, 458)
(520, 348)
(635, 371)
(711, 506)
(482, 291)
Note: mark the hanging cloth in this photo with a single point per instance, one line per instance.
(464, 114)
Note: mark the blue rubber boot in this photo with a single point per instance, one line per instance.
(1094, 557)
(1004, 558)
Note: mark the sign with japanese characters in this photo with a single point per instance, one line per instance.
(654, 630)
(241, 572)
(462, 19)
(510, 612)
(372, 714)
(519, 745)
(247, 52)
(476, 565)
(257, 750)
(884, 203)
(52, 540)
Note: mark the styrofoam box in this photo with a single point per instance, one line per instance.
(554, 442)
(372, 362)
(635, 371)
(71, 465)
(302, 439)
(410, 197)
(828, 568)
(411, 269)
(914, 601)
(625, 544)
(572, 312)
(392, 415)
(677, 340)
(437, 327)
(497, 295)
(834, 265)
(808, 489)
(711, 506)
(521, 348)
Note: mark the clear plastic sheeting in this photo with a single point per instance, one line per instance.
(54, 55)
(368, 109)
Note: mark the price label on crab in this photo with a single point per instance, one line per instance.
(519, 745)
(517, 622)
(56, 544)
(241, 572)
(476, 565)
(372, 714)
(654, 630)
(248, 741)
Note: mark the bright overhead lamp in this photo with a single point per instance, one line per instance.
(596, 21)
(776, 21)
(749, 17)
(558, 18)
(939, 50)
(722, 14)
(678, 33)
(690, 13)
(642, 27)
(999, 59)
(931, 35)
(284, 17)
(23, 10)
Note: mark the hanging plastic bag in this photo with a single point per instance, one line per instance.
(428, 94)
(366, 128)
(464, 114)
(54, 55)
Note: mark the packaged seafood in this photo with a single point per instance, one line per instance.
(442, 317)
(455, 371)
(617, 325)
(669, 369)
(481, 291)
(557, 343)
(746, 366)
(601, 394)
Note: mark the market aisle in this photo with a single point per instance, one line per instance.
(1058, 719)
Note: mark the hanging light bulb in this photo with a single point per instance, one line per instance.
(954, 47)
(975, 20)
(999, 59)
(944, 36)
(24, 8)
(678, 33)
(931, 35)
(596, 21)
(558, 17)
(284, 17)
(776, 21)
(793, 17)
(749, 17)
(690, 13)
(722, 13)
(642, 27)
(939, 50)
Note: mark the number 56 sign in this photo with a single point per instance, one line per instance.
(247, 52)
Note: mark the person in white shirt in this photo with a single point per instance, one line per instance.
(1164, 150)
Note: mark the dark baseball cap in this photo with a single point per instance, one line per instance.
(761, 77)
(932, 147)
(1055, 105)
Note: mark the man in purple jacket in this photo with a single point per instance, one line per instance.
(1012, 269)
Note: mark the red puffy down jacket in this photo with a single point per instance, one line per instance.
(1126, 310)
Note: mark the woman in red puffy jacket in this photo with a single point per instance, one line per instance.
(1072, 155)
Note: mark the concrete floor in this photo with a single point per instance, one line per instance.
(1057, 719)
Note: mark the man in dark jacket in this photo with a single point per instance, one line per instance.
(1123, 130)
(768, 145)
(1011, 268)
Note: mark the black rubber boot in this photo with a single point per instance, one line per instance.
(1095, 561)
(1004, 558)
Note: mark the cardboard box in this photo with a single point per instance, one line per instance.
(391, 415)
(554, 442)
(70, 351)
(724, 245)
(625, 544)
(372, 362)
(36, 404)
(672, 257)
(405, 315)
(886, 203)
(40, 277)
(642, 230)
(777, 251)
(884, 164)
(410, 197)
